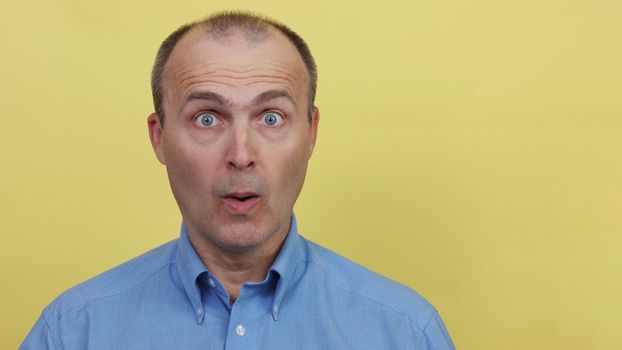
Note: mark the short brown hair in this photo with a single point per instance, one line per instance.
(223, 24)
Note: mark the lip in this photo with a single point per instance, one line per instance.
(238, 206)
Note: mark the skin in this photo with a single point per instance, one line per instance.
(238, 83)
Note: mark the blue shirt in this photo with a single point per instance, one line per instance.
(311, 298)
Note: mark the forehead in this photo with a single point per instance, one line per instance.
(236, 61)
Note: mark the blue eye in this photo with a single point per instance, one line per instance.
(271, 118)
(206, 120)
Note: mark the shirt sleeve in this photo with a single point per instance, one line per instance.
(39, 337)
(436, 335)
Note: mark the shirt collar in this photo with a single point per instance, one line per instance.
(285, 264)
(190, 267)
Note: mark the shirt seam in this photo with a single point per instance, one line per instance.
(368, 298)
(60, 314)
(425, 328)
(47, 326)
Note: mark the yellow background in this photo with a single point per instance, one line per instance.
(469, 149)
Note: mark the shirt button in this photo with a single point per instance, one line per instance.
(240, 330)
(200, 311)
(211, 283)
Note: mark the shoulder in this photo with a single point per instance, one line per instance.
(115, 281)
(355, 279)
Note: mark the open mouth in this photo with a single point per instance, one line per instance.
(244, 198)
(241, 202)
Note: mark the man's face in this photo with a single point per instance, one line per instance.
(236, 140)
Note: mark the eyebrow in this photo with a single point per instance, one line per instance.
(273, 94)
(263, 97)
(206, 96)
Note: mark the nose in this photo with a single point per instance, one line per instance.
(240, 153)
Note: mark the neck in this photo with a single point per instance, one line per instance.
(233, 268)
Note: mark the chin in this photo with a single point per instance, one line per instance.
(246, 236)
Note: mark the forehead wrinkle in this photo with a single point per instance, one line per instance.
(228, 73)
(244, 67)
(183, 69)
(245, 81)
(232, 78)
(191, 83)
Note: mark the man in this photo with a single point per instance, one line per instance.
(235, 124)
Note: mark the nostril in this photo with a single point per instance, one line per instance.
(241, 165)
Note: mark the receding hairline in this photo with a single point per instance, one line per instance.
(228, 38)
(222, 27)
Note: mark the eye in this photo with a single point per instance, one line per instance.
(206, 120)
(271, 119)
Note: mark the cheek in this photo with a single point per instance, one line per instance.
(293, 166)
(188, 166)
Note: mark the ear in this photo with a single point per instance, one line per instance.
(155, 135)
(315, 121)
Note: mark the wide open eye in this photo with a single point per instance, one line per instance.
(271, 119)
(206, 120)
